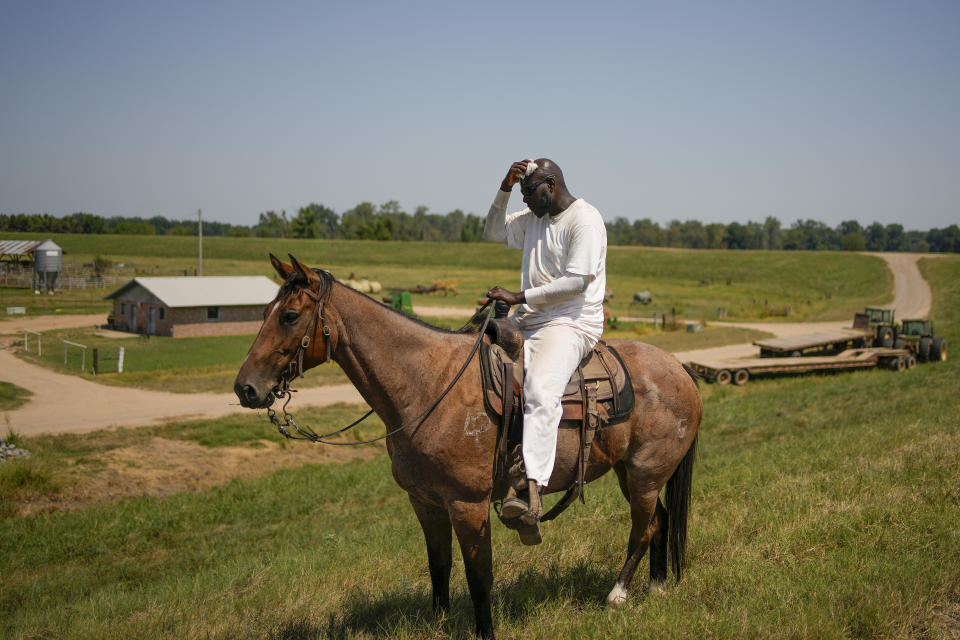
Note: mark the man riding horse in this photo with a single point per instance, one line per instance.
(560, 312)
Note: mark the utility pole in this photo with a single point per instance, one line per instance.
(200, 242)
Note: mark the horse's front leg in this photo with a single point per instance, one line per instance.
(436, 529)
(471, 521)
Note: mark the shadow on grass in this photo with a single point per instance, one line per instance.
(409, 613)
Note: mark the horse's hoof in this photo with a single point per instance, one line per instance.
(657, 588)
(617, 597)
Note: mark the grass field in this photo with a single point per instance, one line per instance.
(12, 396)
(823, 507)
(816, 285)
(179, 365)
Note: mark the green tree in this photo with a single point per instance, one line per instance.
(854, 241)
(315, 221)
(271, 225)
(876, 237)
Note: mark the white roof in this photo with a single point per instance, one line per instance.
(18, 247)
(207, 291)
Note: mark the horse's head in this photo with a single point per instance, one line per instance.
(294, 335)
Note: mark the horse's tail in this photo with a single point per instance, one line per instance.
(692, 373)
(678, 507)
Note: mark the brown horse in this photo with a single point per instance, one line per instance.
(444, 461)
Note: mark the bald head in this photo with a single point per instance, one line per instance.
(544, 189)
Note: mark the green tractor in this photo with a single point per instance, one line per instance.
(400, 300)
(917, 335)
(881, 318)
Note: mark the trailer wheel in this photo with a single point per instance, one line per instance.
(923, 351)
(885, 337)
(911, 361)
(740, 377)
(898, 364)
(938, 349)
(723, 376)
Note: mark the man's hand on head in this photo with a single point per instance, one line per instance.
(514, 175)
(510, 297)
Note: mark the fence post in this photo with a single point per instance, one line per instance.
(96, 361)
(120, 361)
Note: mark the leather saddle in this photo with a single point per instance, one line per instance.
(602, 369)
(599, 393)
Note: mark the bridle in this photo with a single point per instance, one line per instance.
(295, 370)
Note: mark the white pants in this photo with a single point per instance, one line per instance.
(550, 356)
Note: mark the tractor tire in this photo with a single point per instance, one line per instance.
(938, 350)
(911, 361)
(723, 376)
(923, 349)
(885, 337)
(740, 377)
(899, 343)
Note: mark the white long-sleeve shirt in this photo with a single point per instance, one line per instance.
(564, 263)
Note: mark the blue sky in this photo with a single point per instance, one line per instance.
(717, 111)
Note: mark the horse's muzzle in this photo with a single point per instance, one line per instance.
(250, 397)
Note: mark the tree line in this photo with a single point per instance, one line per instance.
(388, 221)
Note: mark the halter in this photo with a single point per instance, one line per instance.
(319, 300)
(295, 370)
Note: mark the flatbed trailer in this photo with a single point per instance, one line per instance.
(838, 340)
(740, 371)
(834, 342)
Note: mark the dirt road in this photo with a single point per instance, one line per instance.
(63, 403)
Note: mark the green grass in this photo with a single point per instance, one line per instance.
(66, 303)
(817, 285)
(823, 507)
(682, 340)
(12, 396)
(181, 365)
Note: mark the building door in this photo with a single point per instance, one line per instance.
(151, 325)
(133, 317)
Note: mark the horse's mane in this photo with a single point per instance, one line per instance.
(295, 282)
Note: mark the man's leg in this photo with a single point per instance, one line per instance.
(551, 355)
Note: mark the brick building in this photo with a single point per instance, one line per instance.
(192, 306)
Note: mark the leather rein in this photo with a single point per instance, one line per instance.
(295, 370)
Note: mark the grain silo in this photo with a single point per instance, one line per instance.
(47, 265)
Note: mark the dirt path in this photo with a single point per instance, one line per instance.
(64, 403)
(16, 324)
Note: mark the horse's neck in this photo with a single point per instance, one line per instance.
(392, 360)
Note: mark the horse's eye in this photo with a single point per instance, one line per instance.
(290, 317)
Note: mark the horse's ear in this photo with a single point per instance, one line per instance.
(305, 272)
(282, 268)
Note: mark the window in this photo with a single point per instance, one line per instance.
(123, 308)
(162, 313)
(213, 313)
